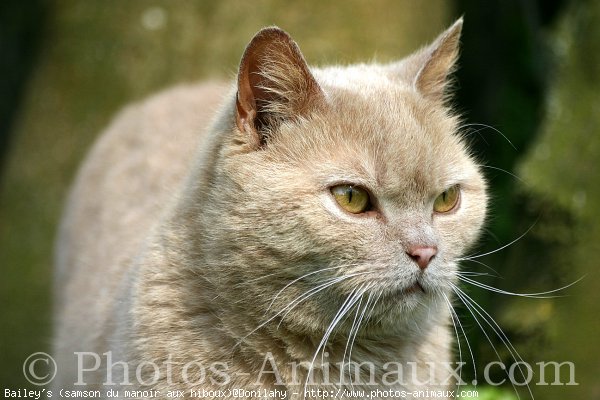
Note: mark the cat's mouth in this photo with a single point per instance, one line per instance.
(414, 289)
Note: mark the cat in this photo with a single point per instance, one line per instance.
(297, 231)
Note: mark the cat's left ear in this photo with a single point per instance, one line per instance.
(274, 85)
(429, 68)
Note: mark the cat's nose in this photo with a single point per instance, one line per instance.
(422, 255)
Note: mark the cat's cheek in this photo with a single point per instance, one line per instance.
(460, 229)
(474, 218)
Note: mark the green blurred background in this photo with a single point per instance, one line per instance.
(529, 68)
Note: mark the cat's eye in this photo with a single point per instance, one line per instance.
(447, 200)
(353, 199)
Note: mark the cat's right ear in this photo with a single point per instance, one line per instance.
(274, 85)
(428, 69)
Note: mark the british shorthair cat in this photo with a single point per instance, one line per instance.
(295, 232)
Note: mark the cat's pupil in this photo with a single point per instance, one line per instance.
(352, 199)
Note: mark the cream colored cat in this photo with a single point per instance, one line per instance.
(304, 238)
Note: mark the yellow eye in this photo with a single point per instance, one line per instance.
(353, 199)
(446, 201)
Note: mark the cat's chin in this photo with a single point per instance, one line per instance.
(417, 288)
(411, 298)
(404, 301)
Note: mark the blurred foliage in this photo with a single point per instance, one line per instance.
(20, 34)
(528, 70)
(561, 177)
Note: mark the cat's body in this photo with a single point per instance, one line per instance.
(196, 243)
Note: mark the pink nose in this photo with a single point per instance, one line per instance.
(422, 255)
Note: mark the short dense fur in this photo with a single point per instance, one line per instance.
(190, 240)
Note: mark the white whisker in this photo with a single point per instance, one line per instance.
(539, 295)
(350, 301)
(370, 313)
(294, 281)
(490, 127)
(505, 171)
(299, 299)
(472, 305)
(471, 258)
(455, 322)
(472, 273)
(495, 273)
(354, 332)
(311, 292)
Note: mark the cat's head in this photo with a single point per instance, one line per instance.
(344, 188)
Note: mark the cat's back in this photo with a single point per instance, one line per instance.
(124, 185)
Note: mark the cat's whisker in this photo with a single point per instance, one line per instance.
(460, 358)
(487, 318)
(296, 280)
(473, 273)
(503, 170)
(470, 309)
(473, 131)
(491, 233)
(380, 319)
(360, 322)
(484, 126)
(475, 308)
(350, 301)
(292, 304)
(314, 291)
(473, 257)
(495, 273)
(297, 301)
(354, 332)
(456, 322)
(352, 329)
(538, 295)
(370, 313)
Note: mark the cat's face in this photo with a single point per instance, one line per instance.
(361, 203)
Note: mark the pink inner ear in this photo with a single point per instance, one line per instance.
(244, 116)
(440, 60)
(274, 83)
(245, 103)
